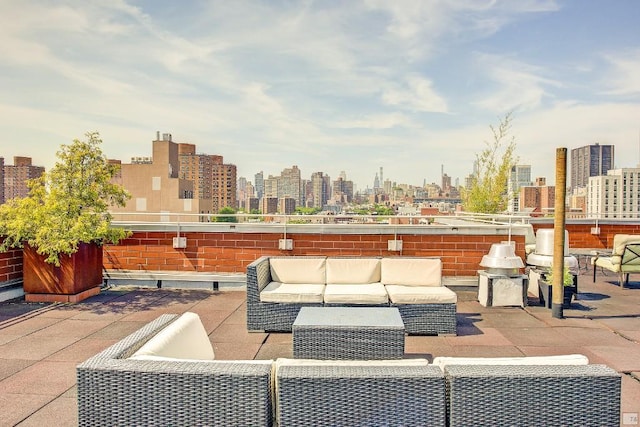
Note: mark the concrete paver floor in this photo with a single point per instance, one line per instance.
(41, 344)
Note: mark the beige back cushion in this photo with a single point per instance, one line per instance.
(184, 338)
(412, 271)
(621, 240)
(298, 270)
(353, 271)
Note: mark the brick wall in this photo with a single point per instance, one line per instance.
(580, 233)
(231, 252)
(10, 265)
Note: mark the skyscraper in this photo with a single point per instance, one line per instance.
(320, 185)
(520, 177)
(259, 181)
(588, 161)
(291, 184)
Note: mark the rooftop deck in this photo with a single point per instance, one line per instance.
(41, 344)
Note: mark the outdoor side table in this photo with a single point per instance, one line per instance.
(345, 333)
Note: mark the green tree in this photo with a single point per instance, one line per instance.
(67, 205)
(226, 210)
(301, 210)
(488, 190)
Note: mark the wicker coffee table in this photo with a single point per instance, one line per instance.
(345, 333)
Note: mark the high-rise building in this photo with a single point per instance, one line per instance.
(269, 205)
(291, 185)
(177, 180)
(259, 180)
(155, 187)
(224, 186)
(321, 189)
(212, 178)
(588, 161)
(538, 199)
(343, 189)
(15, 177)
(270, 186)
(286, 205)
(614, 195)
(520, 177)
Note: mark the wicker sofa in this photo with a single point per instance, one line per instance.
(277, 287)
(138, 382)
(164, 374)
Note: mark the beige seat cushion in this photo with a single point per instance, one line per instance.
(372, 293)
(184, 338)
(292, 293)
(421, 294)
(353, 271)
(319, 362)
(300, 270)
(569, 359)
(610, 263)
(411, 271)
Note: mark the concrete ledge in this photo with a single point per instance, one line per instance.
(175, 279)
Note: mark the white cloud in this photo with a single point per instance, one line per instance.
(516, 85)
(377, 121)
(624, 77)
(418, 94)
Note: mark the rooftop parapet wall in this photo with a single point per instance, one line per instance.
(231, 247)
(581, 232)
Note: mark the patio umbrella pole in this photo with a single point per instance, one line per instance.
(558, 234)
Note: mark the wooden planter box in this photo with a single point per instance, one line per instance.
(78, 277)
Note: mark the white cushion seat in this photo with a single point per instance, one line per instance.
(370, 293)
(184, 338)
(294, 293)
(400, 294)
(568, 359)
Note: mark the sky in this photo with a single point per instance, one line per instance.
(412, 86)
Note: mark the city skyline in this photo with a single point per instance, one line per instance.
(410, 86)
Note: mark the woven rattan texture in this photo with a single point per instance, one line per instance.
(120, 392)
(419, 319)
(587, 395)
(313, 342)
(360, 396)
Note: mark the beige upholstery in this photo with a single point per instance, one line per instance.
(624, 258)
(292, 293)
(372, 293)
(399, 294)
(411, 271)
(185, 338)
(300, 270)
(353, 271)
(356, 280)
